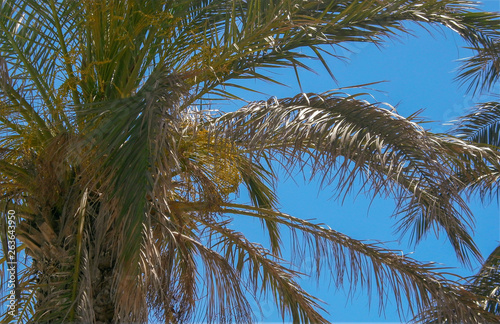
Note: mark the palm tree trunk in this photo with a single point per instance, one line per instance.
(104, 301)
(74, 270)
(53, 264)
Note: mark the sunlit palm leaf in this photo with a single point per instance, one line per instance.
(343, 139)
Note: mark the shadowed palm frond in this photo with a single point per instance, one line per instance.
(481, 293)
(486, 283)
(390, 271)
(481, 126)
(482, 70)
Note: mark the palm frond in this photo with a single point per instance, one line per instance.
(239, 38)
(481, 71)
(343, 138)
(371, 266)
(481, 293)
(481, 125)
(30, 48)
(486, 283)
(277, 280)
(132, 133)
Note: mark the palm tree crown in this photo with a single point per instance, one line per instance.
(123, 177)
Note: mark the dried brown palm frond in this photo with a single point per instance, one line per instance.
(479, 128)
(486, 283)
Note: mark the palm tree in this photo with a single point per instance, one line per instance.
(122, 172)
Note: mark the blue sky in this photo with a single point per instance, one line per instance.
(420, 74)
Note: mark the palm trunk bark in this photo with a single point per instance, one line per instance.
(72, 286)
(104, 301)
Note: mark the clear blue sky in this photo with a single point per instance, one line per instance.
(419, 72)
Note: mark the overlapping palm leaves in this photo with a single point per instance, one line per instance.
(481, 127)
(480, 292)
(123, 182)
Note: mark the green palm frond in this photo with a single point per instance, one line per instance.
(134, 134)
(481, 71)
(481, 125)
